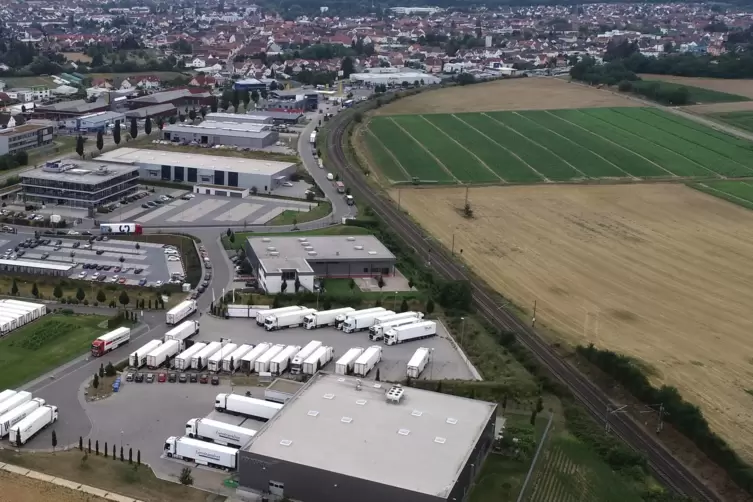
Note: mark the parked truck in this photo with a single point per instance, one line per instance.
(37, 420)
(7, 394)
(246, 406)
(344, 365)
(18, 399)
(249, 360)
(418, 362)
(180, 312)
(110, 341)
(417, 331)
(183, 360)
(296, 365)
(261, 316)
(201, 452)
(261, 364)
(367, 360)
(325, 317)
(376, 332)
(286, 319)
(340, 319)
(279, 363)
(164, 352)
(219, 432)
(138, 358)
(363, 321)
(183, 331)
(201, 358)
(312, 138)
(215, 360)
(317, 360)
(11, 418)
(232, 361)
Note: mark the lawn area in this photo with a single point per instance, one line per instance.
(29, 81)
(554, 145)
(146, 142)
(291, 217)
(737, 192)
(741, 120)
(108, 474)
(45, 344)
(699, 95)
(240, 237)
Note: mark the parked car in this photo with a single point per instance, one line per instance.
(173, 258)
(149, 377)
(193, 378)
(215, 380)
(138, 270)
(139, 377)
(161, 377)
(142, 282)
(129, 377)
(204, 378)
(100, 251)
(183, 378)
(172, 378)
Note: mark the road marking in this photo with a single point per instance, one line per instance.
(160, 211)
(239, 212)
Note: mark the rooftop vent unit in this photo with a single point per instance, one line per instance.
(301, 239)
(286, 442)
(313, 253)
(395, 394)
(266, 239)
(346, 420)
(358, 248)
(360, 402)
(417, 413)
(440, 440)
(329, 396)
(372, 252)
(351, 238)
(274, 253)
(308, 248)
(452, 421)
(313, 413)
(271, 248)
(403, 432)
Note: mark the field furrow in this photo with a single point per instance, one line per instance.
(739, 142)
(384, 159)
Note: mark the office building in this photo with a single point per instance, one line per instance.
(16, 135)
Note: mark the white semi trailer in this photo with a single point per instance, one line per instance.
(17, 400)
(180, 311)
(340, 319)
(344, 365)
(249, 360)
(201, 358)
(261, 364)
(367, 360)
(183, 331)
(296, 365)
(418, 362)
(363, 321)
(325, 317)
(232, 361)
(246, 406)
(164, 352)
(215, 360)
(317, 360)
(292, 319)
(261, 316)
(201, 452)
(11, 418)
(37, 420)
(376, 332)
(7, 394)
(416, 331)
(183, 360)
(138, 358)
(219, 432)
(40, 309)
(279, 363)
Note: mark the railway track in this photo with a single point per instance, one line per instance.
(664, 466)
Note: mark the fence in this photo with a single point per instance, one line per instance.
(245, 311)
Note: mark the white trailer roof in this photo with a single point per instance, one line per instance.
(257, 351)
(418, 356)
(207, 351)
(317, 354)
(23, 308)
(192, 350)
(30, 304)
(116, 333)
(225, 350)
(239, 352)
(368, 354)
(350, 355)
(163, 349)
(272, 352)
(144, 350)
(286, 353)
(196, 443)
(179, 307)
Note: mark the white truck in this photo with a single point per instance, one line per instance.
(183, 331)
(201, 358)
(7, 394)
(232, 361)
(261, 316)
(418, 362)
(180, 311)
(111, 341)
(215, 360)
(317, 360)
(261, 364)
(416, 331)
(367, 360)
(201, 452)
(37, 420)
(164, 352)
(11, 418)
(325, 317)
(363, 321)
(344, 365)
(246, 406)
(138, 358)
(249, 360)
(183, 360)
(382, 324)
(20, 398)
(312, 138)
(296, 365)
(219, 432)
(286, 319)
(279, 363)
(340, 319)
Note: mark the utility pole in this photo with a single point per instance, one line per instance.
(533, 318)
(466, 195)
(660, 425)
(611, 410)
(453, 243)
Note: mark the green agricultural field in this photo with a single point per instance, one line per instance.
(737, 192)
(44, 345)
(699, 95)
(741, 120)
(551, 146)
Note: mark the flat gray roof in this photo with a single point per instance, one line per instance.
(420, 444)
(214, 162)
(252, 130)
(295, 252)
(81, 171)
(236, 117)
(285, 385)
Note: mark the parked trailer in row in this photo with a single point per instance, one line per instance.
(296, 365)
(281, 361)
(7, 324)
(14, 401)
(39, 308)
(362, 322)
(215, 360)
(377, 332)
(246, 406)
(381, 321)
(340, 319)
(232, 361)
(11, 418)
(183, 331)
(200, 359)
(417, 331)
(138, 358)
(344, 365)
(121, 228)
(418, 362)
(7, 394)
(367, 360)
(219, 432)
(24, 314)
(164, 352)
(325, 317)
(201, 452)
(183, 360)
(37, 420)
(110, 341)
(12, 319)
(261, 316)
(249, 360)
(261, 364)
(180, 312)
(292, 319)
(318, 360)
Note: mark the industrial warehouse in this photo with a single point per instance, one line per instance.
(276, 259)
(246, 135)
(340, 436)
(180, 167)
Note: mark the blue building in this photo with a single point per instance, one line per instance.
(250, 84)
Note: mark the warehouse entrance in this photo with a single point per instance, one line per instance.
(277, 488)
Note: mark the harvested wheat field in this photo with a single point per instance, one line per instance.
(16, 488)
(740, 106)
(532, 93)
(740, 87)
(660, 272)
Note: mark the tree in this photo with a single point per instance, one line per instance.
(297, 284)
(358, 117)
(137, 246)
(130, 455)
(80, 295)
(404, 306)
(255, 96)
(377, 375)
(283, 286)
(347, 66)
(121, 259)
(134, 128)
(625, 86)
(213, 105)
(203, 112)
(80, 443)
(107, 449)
(54, 440)
(148, 126)
(138, 457)
(57, 292)
(110, 370)
(90, 445)
(123, 298)
(185, 477)
(533, 417)
(114, 452)
(173, 119)
(235, 100)
(95, 382)
(116, 133)
(504, 402)
(539, 405)
(14, 288)
(101, 370)
(182, 117)
(80, 146)
(122, 458)
(192, 114)
(352, 285)
(101, 297)
(100, 140)
(276, 303)
(380, 282)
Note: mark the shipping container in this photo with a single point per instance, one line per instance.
(12, 417)
(418, 362)
(344, 365)
(246, 406)
(201, 452)
(296, 365)
(376, 332)
(7, 394)
(215, 360)
(366, 361)
(261, 364)
(219, 432)
(248, 361)
(163, 353)
(232, 361)
(183, 360)
(138, 358)
(180, 311)
(40, 308)
(317, 360)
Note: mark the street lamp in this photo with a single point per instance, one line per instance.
(394, 302)
(462, 331)
(431, 362)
